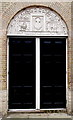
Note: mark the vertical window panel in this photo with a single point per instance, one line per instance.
(22, 73)
(52, 73)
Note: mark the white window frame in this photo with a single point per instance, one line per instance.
(37, 79)
(37, 73)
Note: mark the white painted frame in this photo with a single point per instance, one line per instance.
(66, 73)
(37, 79)
(38, 73)
(7, 72)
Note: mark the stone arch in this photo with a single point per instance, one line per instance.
(37, 19)
(11, 12)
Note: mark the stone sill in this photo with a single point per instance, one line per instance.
(38, 115)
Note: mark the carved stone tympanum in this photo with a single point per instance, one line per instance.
(37, 19)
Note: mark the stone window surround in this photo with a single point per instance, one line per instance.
(37, 32)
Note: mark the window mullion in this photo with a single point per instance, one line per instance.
(37, 73)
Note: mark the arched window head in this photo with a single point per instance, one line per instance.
(42, 20)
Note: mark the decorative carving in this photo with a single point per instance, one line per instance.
(37, 23)
(23, 27)
(38, 19)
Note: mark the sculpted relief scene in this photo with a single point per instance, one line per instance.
(37, 19)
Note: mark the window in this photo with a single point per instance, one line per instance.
(37, 73)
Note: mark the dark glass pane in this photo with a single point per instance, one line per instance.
(52, 73)
(21, 73)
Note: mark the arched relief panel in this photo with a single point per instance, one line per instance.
(39, 21)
